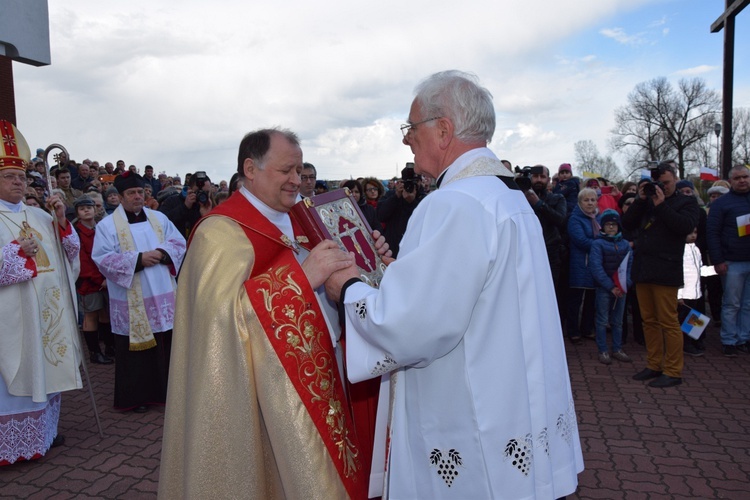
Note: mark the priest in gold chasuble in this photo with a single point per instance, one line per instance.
(256, 406)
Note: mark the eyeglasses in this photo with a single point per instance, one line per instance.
(307, 178)
(408, 127)
(14, 177)
(371, 189)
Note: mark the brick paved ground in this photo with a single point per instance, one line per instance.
(638, 442)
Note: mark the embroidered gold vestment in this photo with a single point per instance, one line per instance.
(255, 407)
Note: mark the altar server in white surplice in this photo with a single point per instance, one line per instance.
(139, 251)
(465, 322)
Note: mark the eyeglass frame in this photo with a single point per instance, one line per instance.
(10, 177)
(305, 178)
(408, 127)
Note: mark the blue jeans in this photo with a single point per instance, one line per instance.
(735, 306)
(608, 308)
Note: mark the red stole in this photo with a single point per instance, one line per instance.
(288, 310)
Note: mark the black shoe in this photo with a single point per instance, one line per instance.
(665, 381)
(743, 348)
(100, 359)
(140, 409)
(691, 350)
(58, 441)
(729, 351)
(109, 351)
(646, 374)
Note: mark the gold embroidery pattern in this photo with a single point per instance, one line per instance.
(315, 367)
(53, 342)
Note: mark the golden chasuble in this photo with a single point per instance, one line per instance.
(288, 310)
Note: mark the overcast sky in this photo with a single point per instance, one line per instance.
(177, 84)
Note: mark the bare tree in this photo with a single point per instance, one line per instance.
(661, 122)
(588, 159)
(741, 136)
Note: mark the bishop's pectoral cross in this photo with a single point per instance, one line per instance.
(726, 22)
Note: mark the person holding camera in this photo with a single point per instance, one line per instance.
(396, 210)
(664, 218)
(193, 203)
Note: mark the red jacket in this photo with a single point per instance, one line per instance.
(90, 279)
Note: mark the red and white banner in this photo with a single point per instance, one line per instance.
(709, 174)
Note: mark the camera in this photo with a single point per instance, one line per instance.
(523, 177)
(410, 178)
(202, 197)
(657, 170)
(649, 187)
(200, 180)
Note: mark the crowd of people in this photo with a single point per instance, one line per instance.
(649, 251)
(254, 323)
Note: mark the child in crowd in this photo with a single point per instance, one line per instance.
(608, 252)
(92, 286)
(690, 294)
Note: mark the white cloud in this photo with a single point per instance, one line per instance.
(177, 86)
(619, 35)
(697, 70)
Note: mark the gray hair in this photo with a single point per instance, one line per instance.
(459, 97)
(586, 192)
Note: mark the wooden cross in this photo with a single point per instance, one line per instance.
(726, 22)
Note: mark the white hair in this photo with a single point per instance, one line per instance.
(458, 96)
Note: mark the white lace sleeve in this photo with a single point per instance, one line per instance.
(72, 246)
(13, 269)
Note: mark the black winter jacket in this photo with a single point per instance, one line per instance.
(660, 243)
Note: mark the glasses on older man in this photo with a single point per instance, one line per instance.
(408, 127)
(14, 177)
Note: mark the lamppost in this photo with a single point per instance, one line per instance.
(717, 131)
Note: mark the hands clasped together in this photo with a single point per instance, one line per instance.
(328, 264)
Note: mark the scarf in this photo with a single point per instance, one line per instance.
(141, 335)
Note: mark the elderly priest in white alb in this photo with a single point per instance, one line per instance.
(465, 322)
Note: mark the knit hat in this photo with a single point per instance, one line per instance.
(128, 180)
(110, 190)
(609, 215)
(717, 189)
(565, 166)
(685, 184)
(14, 151)
(625, 197)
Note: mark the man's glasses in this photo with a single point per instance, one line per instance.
(307, 178)
(14, 177)
(408, 127)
